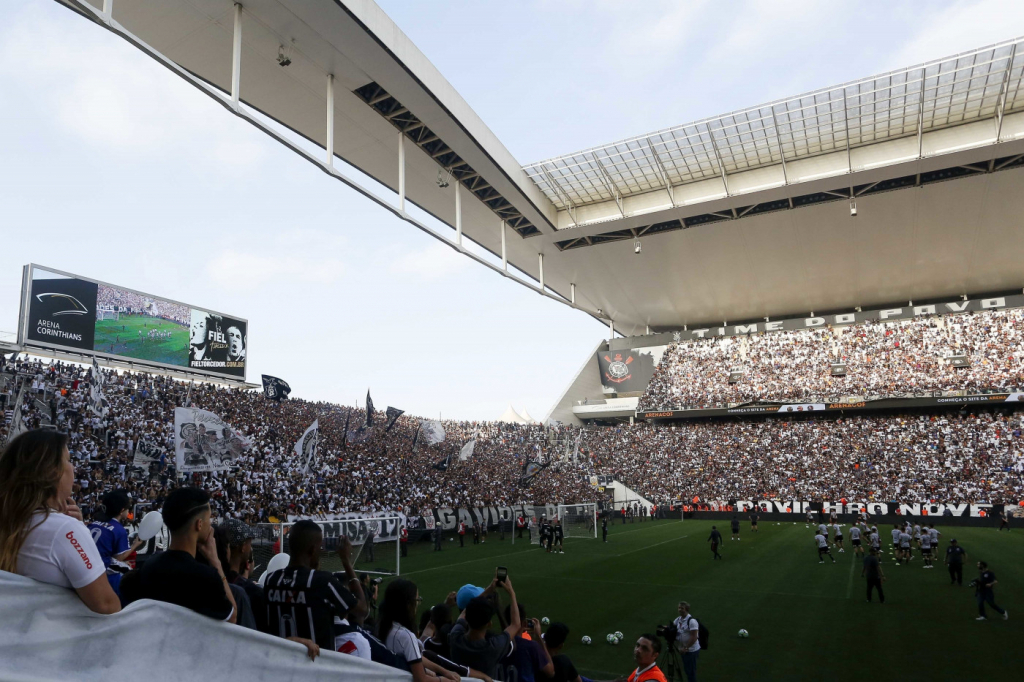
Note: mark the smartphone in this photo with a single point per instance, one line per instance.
(501, 574)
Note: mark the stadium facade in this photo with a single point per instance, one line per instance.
(895, 190)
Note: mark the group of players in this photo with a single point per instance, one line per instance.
(551, 534)
(904, 539)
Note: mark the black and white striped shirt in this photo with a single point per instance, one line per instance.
(302, 602)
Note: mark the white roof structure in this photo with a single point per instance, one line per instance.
(510, 416)
(528, 418)
(741, 216)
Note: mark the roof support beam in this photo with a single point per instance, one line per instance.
(609, 184)
(504, 250)
(846, 122)
(540, 269)
(867, 189)
(661, 172)
(1003, 91)
(782, 152)
(718, 159)
(570, 207)
(458, 213)
(330, 132)
(108, 8)
(401, 171)
(236, 55)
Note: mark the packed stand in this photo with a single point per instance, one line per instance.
(882, 359)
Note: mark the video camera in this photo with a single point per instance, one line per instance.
(669, 632)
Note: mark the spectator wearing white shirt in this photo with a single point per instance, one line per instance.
(687, 640)
(41, 531)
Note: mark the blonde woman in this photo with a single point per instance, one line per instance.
(41, 531)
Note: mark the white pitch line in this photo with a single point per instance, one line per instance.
(649, 546)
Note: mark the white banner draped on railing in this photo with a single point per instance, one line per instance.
(47, 633)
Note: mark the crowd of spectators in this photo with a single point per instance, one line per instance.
(881, 359)
(129, 302)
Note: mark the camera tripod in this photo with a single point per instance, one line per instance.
(673, 664)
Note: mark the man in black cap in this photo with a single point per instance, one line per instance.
(240, 537)
(955, 556)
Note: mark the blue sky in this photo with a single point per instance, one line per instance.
(115, 169)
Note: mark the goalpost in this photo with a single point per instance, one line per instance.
(375, 544)
(107, 315)
(578, 520)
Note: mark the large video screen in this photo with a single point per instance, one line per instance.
(62, 310)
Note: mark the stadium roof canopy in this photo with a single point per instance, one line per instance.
(741, 216)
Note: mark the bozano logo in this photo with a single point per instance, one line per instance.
(65, 304)
(81, 552)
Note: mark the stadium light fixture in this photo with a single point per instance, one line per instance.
(637, 247)
(853, 209)
(443, 176)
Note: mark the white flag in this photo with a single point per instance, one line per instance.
(17, 426)
(305, 447)
(431, 432)
(98, 404)
(205, 442)
(467, 450)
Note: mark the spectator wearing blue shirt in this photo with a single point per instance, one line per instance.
(112, 539)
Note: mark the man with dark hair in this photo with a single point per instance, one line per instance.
(986, 594)
(872, 570)
(645, 654)
(528, 656)
(303, 601)
(472, 645)
(716, 540)
(554, 640)
(240, 536)
(955, 555)
(112, 539)
(735, 528)
(175, 576)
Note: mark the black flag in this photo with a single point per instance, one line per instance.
(369, 409)
(443, 464)
(344, 440)
(275, 389)
(530, 469)
(393, 414)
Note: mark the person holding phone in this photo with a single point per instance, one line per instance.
(471, 643)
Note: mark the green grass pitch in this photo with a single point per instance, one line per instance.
(806, 621)
(121, 337)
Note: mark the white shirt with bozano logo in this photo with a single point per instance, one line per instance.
(59, 550)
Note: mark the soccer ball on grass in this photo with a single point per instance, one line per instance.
(743, 633)
(611, 638)
(586, 639)
(545, 621)
(618, 635)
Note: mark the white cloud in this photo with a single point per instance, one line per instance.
(437, 261)
(963, 26)
(246, 270)
(106, 93)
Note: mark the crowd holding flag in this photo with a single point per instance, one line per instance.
(306, 446)
(275, 389)
(430, 432)
(369, 409)
(393, 414)
(344, 441)
(467, 450)
(443, 464)
(205, 442)
(98, 404)
(364, 432)
(188, 395)
(530, 470)
(16, 422)
(146, 452)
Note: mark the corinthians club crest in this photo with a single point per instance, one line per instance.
(618, 369)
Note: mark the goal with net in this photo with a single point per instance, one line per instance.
(375, 544)
(578, 520)
(107, 315)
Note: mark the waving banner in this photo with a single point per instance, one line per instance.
(305, 448)
(275, 389)
(431, 432)
(393, 414)
(98, 404)
(205, 442)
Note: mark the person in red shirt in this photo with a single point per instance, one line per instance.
(404, 540)
(462, 534)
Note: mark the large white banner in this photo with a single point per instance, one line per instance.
(431, 432)
(205, 442)
(305, 447)
(47, 634)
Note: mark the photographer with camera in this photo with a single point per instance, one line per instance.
(984, 584)
(686, 640)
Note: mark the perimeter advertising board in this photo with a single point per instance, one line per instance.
(60, 310)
